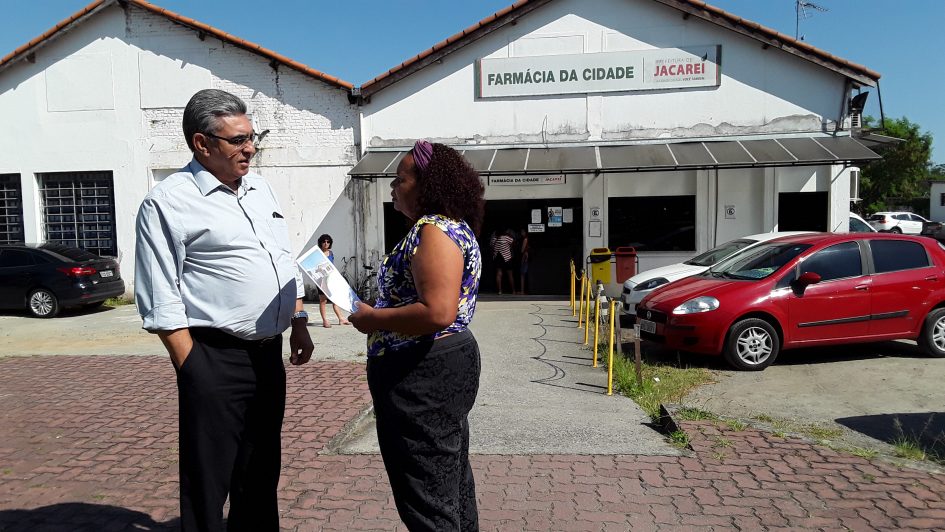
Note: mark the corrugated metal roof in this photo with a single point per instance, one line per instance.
(788, 151)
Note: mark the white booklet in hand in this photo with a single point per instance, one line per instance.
(328, 279)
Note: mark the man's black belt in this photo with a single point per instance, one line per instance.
(221, 339)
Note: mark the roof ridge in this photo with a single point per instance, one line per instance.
(698, 4)
(185, 21)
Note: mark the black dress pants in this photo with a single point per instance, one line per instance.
(422, 398)
(232, 401)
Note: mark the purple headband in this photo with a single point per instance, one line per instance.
(422, 153)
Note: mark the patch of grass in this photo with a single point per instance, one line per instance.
(868, 477)
(696, 414)
(98, 497)
(723, 442)
(861, 452)
(919, 446)
(764, 418)
(661, 383)
(7, 471)
(735, 425)
(820, 432)
(118, 302)
(679, 439)
(719, 455)
(780, 434)
(909, 448)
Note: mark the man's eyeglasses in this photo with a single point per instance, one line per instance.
(239, 141)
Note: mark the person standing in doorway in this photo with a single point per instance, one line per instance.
(423, 361)
(523, 259)
(215, 279)
(324, 243)
(502, 258)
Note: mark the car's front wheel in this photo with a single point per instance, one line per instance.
(932, 339)
(896, 230)
(43, 303)
(752, 345)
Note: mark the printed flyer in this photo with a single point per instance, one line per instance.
(328, 279)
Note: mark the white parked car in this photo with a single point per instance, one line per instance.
(859, 225)
(641, 284)
(898, 222)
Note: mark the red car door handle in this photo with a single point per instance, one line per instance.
(932, 278)
(862, 287)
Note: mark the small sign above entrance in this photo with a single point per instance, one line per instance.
(519, 180)
(536, 228)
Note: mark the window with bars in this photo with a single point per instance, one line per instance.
(79, 210)
(11, 209)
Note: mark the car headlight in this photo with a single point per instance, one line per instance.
(697, 304)
(651, 284)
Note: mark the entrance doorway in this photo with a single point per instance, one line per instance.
(802, 211)
(550, 251)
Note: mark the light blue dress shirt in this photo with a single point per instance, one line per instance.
(207, 256)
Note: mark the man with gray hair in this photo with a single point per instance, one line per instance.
(215, 279)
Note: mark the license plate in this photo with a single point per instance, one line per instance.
(106, 273)
(648, 326)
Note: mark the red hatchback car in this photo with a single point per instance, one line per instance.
(807, 290)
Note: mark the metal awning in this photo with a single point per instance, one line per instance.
(788, 151)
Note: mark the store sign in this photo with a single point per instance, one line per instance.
(664, 68)
(527, 180)
(536, 228)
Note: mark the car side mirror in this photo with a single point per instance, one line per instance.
(806, 279)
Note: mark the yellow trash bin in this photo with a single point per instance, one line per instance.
(600, 265)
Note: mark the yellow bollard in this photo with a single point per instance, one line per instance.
(587, 319)
(573, 281)
(610, 360)
(596, 329)
(587, 316)
(581, 307)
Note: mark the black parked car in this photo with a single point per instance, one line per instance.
(45, 278)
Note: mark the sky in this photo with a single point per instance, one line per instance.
(903, 40)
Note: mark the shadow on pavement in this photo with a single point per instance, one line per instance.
(74, 517)
(925, 430)
(64, 313)
(655, 353)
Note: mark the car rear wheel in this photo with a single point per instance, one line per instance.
(932, 339)
(896, 230)
(752, 345)
(43, 303)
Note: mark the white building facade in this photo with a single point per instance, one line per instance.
(93, 115)
(654, 124)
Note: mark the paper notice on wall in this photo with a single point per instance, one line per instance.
(568, 216)
(316, 266)
(555, 216)
(536, 216)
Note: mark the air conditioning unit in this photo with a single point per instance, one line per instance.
(856, 121)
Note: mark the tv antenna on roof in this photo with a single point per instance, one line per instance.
(801, 8)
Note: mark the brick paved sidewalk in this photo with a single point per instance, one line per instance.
(89, 443)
